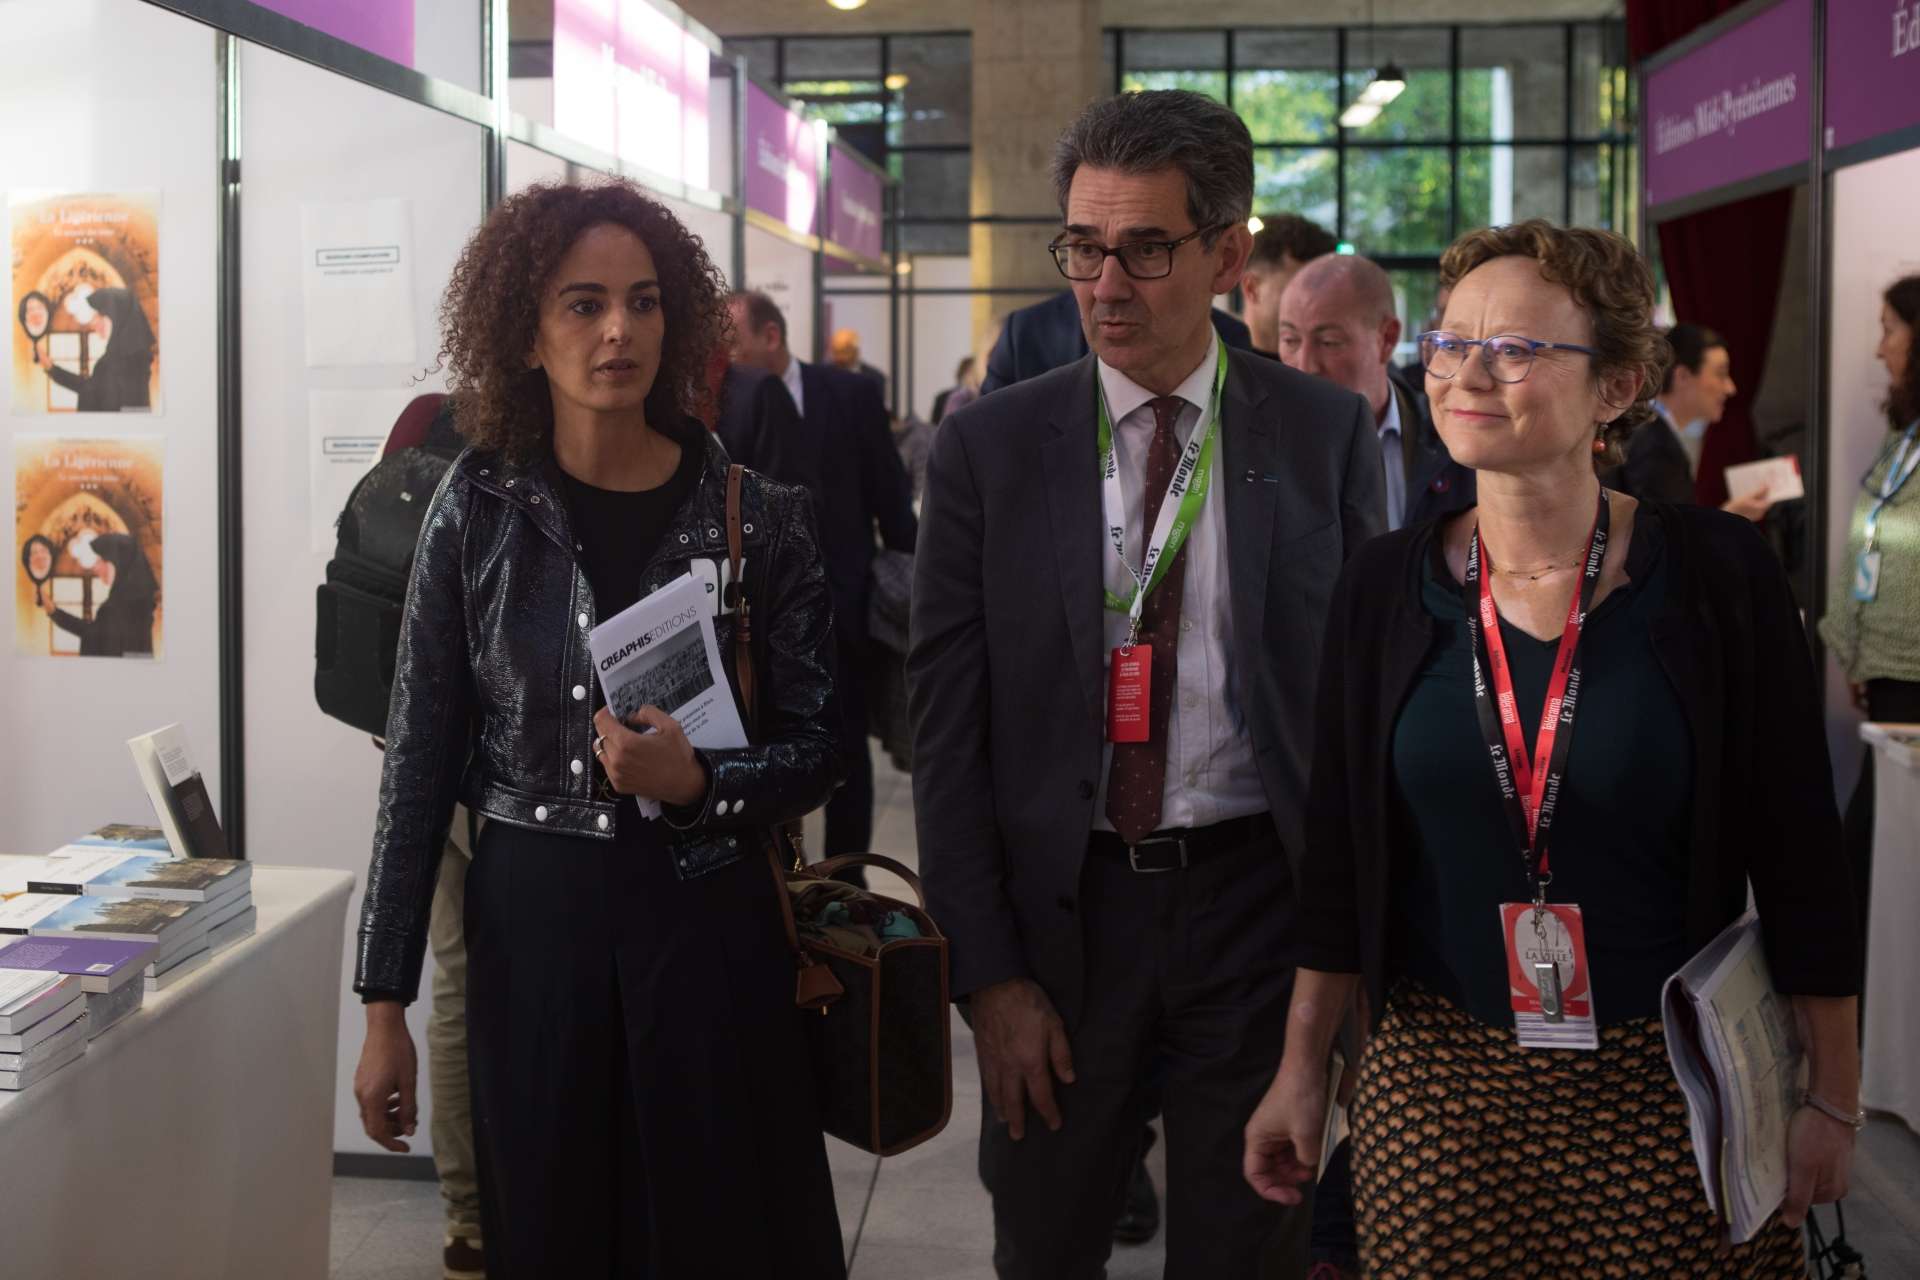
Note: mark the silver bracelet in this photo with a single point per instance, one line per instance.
(1854, 1120)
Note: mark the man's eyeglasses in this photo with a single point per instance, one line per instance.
(1141, 259)
(1507, 356)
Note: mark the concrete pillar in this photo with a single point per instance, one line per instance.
(1036, 65)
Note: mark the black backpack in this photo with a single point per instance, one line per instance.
(357, 609)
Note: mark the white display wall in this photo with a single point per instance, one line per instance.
(866, 313)
(1873, 245)
(942, 326)
(316, 143)
(129, 110)
(783, 270)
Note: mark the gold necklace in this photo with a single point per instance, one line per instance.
(1534, 575)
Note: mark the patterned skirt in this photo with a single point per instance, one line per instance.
(1474, 1157)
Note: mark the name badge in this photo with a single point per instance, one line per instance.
(1547, 976)
(1129, 686)
(1866, 576)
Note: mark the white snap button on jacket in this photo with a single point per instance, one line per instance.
(602, 820)
(583, 619)
(578, 768)
(579, 693)
(540, 814)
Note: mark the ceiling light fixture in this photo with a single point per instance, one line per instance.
(897, 81)
(1254, 225)
(848, 5)
(1389, 84)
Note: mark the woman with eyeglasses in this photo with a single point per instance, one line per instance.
(1872, 623)
(1505, 891)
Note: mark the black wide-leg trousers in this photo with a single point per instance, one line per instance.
(642, 1104)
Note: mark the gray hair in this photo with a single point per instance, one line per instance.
(1160, 128)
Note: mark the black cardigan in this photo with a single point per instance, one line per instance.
(1728, 637)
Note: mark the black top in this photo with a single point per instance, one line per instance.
(1619, 847)
(1760, 809)
(1656, 469)
(617, 532)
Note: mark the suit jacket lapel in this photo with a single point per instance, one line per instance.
(1413, 444)
(1247, 480)
(1070, 464)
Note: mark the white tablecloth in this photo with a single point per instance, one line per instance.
(194, 1141)
(1890, 1064)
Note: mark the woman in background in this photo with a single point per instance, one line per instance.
(1872, 623)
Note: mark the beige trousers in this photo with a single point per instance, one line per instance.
(447, 1040)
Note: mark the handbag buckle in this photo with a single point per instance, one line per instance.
(1179, 844)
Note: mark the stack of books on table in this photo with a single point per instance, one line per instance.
(43, 1025)
(190, 909)
(111, 973)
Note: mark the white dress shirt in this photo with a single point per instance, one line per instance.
(1211, 775)
(1392, 440)
(792, 378)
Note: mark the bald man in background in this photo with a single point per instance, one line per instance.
(1337, 321)
(844, 350)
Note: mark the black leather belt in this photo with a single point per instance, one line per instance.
(1172, 849)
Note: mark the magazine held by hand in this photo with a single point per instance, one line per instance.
(1732, 1042)
(661, 652)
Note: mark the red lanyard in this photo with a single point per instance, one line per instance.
(1529, 795)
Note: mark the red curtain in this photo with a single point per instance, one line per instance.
(1722, 264)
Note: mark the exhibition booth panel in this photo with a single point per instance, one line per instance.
(109, 180)
(355, 206)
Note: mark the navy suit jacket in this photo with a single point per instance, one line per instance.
(758, 421)
(1005, 666)
(1047, 335)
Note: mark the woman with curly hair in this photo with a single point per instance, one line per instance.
(1872, 622)
(641, 1100)
(1515, 1112)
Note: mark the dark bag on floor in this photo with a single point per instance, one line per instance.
(877, 1028)
(357, 609)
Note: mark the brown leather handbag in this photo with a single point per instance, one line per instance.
(879, 1036)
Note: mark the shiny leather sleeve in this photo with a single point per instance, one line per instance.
(796, 763)
(428, 740)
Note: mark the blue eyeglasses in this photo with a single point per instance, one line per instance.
(1508, 357)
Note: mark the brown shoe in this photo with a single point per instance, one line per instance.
(463, 1261)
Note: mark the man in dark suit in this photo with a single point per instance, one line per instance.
(1337, 321)
(1047, 335)
(842, 451)
(1106, 811)
(760, 425)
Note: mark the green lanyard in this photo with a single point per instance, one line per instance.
(1186, 494)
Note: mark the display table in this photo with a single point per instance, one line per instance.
(1890, 1049)
(194, 1141)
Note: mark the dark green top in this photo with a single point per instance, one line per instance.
(1620, 833)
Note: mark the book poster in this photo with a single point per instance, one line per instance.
(87, 528)
(86, 303)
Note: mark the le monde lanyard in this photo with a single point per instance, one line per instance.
(1528, 792)
(1186, 494)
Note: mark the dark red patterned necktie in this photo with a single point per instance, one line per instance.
(1138, 775)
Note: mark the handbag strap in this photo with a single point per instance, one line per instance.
(815, 987)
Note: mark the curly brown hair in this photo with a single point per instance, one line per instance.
(1612, 284)
(490, 313)
(1903, 394)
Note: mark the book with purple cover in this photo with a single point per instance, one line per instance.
(102, 964)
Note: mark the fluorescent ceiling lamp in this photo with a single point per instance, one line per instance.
(1254, 224)
(897, 81)
(848, 4)
(1360, 114)
(1388, 85)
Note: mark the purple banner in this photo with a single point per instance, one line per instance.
(1873, 68)
(1735, 108)
(855, 203)
(384, 27)
(783, 162)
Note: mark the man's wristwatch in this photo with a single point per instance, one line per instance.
(1854, 1120)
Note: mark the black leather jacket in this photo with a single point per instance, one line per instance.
(494, 690)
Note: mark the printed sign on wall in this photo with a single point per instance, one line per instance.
(1737, 107)
(87, 520)
(86, 299)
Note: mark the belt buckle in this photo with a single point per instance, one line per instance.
(1133, 855)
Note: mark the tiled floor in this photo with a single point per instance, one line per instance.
(923, 1216)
